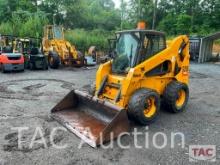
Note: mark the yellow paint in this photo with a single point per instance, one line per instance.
(168, 42)
(64, 49)
(181, 98)
(151, 109)
(136, 78)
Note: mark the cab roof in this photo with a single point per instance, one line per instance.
(142, 31)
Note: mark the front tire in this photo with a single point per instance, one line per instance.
(45, 65)
(176, 97)
(53, 60)
(144, 106)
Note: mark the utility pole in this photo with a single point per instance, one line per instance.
(154, 14)
(54, 19)
(36, 4)
(139, 10)
(122, 13)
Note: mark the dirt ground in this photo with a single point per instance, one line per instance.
(26, 99)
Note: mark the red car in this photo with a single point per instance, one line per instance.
(10, 61)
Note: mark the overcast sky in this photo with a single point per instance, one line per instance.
(118, 3)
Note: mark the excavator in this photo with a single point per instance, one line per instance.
(143, 75)
(58, 50)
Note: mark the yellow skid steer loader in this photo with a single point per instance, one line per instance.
(142, 74)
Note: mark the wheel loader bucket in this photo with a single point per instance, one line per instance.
(93, 120)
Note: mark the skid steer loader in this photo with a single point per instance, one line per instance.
(58, 50)
(142, 74)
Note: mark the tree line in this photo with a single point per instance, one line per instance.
(27, 17)
(177, 16)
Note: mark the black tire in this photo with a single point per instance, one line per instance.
(85, 62)
(172, 94)
(45, 65)
(26, 65)
(22, 70)
(53, 60)
(31, 66)
(81, 58)
(138, 105)
(3, 68)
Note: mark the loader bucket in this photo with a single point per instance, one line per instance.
(93, 120)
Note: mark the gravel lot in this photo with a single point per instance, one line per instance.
(26, 99)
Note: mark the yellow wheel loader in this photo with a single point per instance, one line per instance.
(143, 74)
(58, 50)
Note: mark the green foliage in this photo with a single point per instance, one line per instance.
(141, 10)
(169, 22)
(194, 17)
(183, 23)
(25, 24)
(84, 39)
(33, 26)
(27, 17)
(86, 14)
(6, 28)
(16, 24)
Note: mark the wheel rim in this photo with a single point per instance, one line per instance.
(151, 108)
(181, 98)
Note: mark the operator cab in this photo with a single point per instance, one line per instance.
(133, 47)
(54, 32)
(6, 44)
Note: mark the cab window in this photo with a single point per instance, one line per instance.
(152, 44)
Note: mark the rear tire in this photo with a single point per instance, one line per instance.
(45, 65)
(176, 97)
(81, 58)
(144, 106)
(53, 60)
(31, 66)
(3, 68)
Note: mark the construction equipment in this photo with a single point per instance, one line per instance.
(105, 58)
(91, 58)
(97, 57)
(143, 74)
(10, 58)
(58, 50)
(31, 49)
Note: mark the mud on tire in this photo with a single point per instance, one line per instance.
(138, 106)
(175, 97)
